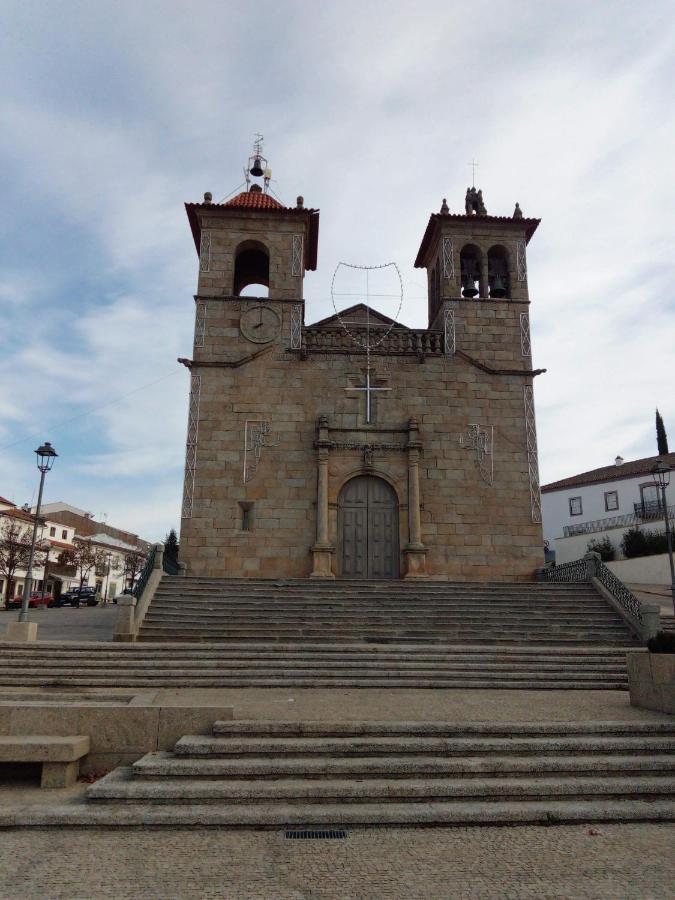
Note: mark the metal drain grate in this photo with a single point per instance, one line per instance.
(316, 834)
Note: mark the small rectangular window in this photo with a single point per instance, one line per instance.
(64, 535)
(246, 516)
(52, 532)
(611, 500)
(576, 508)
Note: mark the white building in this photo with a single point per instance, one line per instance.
(603, 502)
(58, 529)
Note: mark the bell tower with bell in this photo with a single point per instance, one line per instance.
(477, 264)
(253, 255)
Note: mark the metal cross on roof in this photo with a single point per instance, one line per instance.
(474, 166)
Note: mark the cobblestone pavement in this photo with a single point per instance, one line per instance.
(622, 861)
(88, 623)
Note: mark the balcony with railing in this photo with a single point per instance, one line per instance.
(649, 509)
(643, 512)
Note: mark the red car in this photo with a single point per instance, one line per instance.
(35, 602)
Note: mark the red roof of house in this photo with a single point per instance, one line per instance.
(527, 227)
(610, 473)
(17, 514)
(256, 201)
(64, 546)
(8, 502)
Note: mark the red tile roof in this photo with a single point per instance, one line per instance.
(264, 203)
(8, 502)
(610, 473)
(254, 200)
(17, 514)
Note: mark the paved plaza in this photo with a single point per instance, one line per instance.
(88, 623)
(620, 861)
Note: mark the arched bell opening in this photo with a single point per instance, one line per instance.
(470, 260)
(498, 272)
(251, 268)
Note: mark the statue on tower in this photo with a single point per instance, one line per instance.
(473, 202)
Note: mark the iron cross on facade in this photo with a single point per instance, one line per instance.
(368, 389)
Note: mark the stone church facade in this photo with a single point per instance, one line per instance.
(309, 455)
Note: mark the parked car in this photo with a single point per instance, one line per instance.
(77, 596)
(36, 600)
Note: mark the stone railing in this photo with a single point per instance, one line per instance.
(642, 618)
(131, 608)
(398, 341)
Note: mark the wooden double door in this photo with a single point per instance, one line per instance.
(368, 529)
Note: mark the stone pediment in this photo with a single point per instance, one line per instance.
(358, 315)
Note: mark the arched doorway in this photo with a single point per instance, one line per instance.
(368, 529)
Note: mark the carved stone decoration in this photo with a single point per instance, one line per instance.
(257, 436)
(205, 252)
(200, 323)
(525, 342)
(449, 335)
(296, 265)
(296, 326)
(448, 259)
(191, 446)
(532, 458)
(521, 260)
(481, 441)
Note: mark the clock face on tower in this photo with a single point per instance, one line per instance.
(259, 324)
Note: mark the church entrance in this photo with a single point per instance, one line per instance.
(368, 529)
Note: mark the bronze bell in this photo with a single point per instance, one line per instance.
(498, 288)
(256, 169)
(469, 289)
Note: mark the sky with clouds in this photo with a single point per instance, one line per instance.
(112, 114)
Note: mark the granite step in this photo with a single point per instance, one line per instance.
(373, 745)
(289, 815)
(164, 764)
(123, 786)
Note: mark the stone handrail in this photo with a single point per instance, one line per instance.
(643, 619)
(131, 610)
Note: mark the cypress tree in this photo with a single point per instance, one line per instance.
(661, 437)
(171, 545)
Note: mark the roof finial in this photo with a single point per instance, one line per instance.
(444, 207)
(517, 212)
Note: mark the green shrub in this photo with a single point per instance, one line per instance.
(604, 547)
(662, 642)
(639, 542)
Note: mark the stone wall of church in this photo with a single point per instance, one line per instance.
(471, 529)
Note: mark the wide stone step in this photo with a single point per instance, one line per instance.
(121, 786)
(370, 745)
(323, 666)
(288, 815)
(321, 728)
(162, 764)
(522, 681)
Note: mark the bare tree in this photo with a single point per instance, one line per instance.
(83, 557)
(15, 540)
(134, 561)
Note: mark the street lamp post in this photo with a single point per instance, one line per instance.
(45, 460)
(661, 475)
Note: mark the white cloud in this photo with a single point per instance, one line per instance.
(372, 112)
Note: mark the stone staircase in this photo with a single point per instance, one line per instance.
(303, 774)
(384, 612)
(306, 665)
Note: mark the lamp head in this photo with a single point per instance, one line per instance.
(46, 455)
(661, 474)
